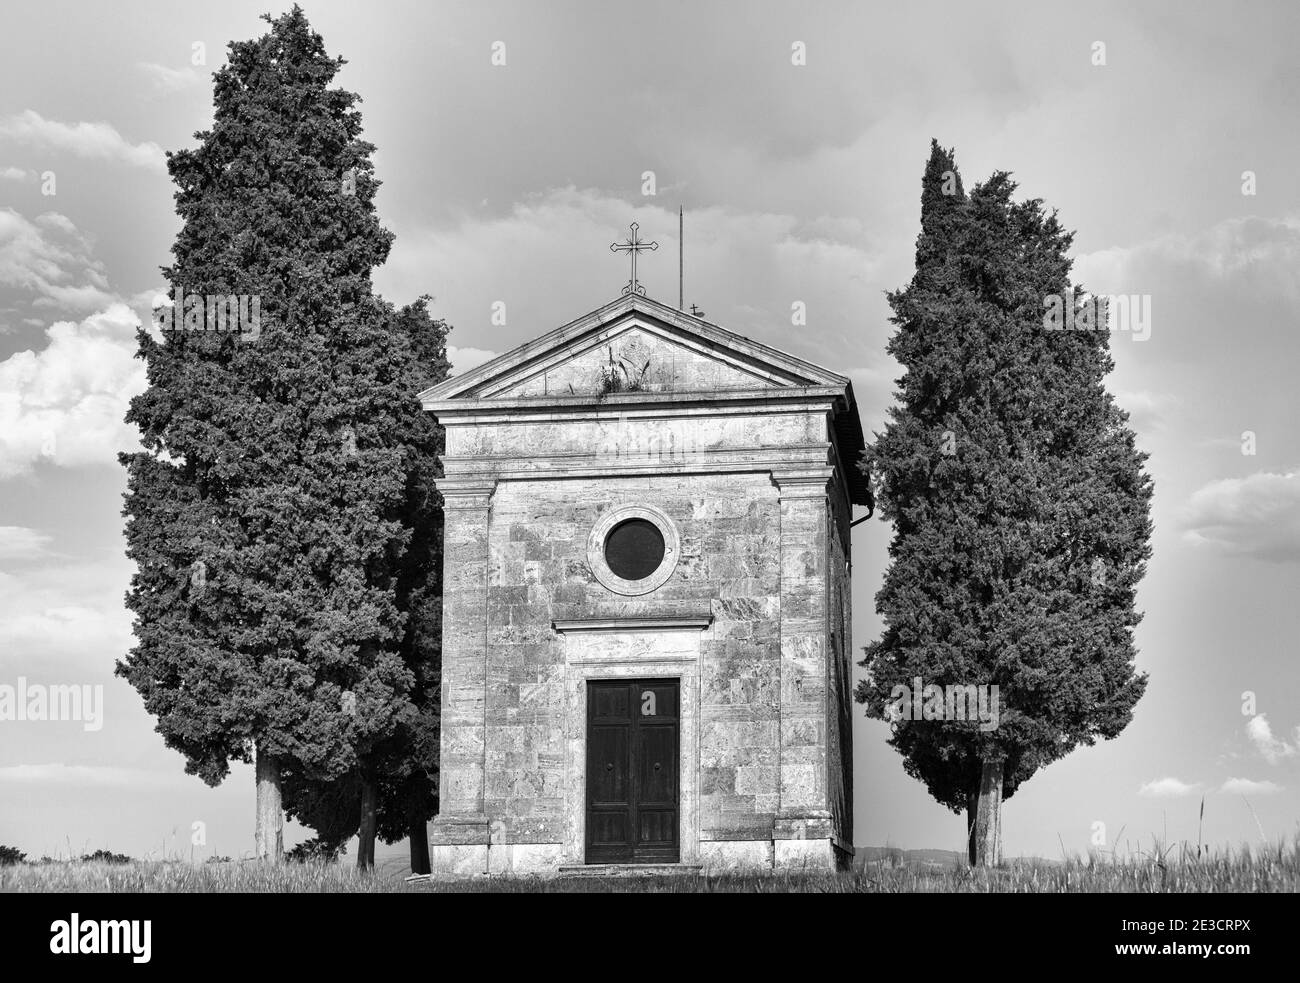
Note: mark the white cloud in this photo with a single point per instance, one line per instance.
(66, 404)
(84, 775)
(1258, 515)
(12, 174)
(91, 141)
(50, 259)
(70, 629)
(1168, 788)
(464, 359)
(1245, 786)
(1252, 248)
(67, 616)
(1232, 289)
(21, 543)
(1272, 749)
(164, 79)
(1146, 409)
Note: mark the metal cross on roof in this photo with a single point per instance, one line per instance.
(633, 246)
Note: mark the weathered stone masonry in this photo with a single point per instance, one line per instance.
(737, 451)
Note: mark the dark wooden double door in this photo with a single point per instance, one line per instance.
(633, 730)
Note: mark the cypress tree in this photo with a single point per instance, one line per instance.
(1019, 504)
(270, 513)
(392, 791)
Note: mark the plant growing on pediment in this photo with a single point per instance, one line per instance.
(622, 376)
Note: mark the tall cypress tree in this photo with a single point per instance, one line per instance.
(392, 791)
(270, 512)
(407, 762)
(1019, 504)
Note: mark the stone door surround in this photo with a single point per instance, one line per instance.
(630, 648)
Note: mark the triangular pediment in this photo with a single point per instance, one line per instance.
(633, 344)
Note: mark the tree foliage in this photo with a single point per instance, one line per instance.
(281, 515)
(1019, 503)
(405, 764)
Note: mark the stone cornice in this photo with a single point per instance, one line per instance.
(635, 624)
(466, 492)
(525, 408)
(803, 482)
(485, 468)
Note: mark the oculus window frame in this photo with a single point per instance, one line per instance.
(596, 543)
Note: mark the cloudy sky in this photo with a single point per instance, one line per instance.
(506, 183)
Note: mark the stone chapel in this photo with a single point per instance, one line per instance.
(646, 646)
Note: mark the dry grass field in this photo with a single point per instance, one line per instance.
(1254, 870)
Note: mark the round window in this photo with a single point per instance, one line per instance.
(634, 549)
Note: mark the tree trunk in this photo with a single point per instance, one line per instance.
(972, 802)
(418, 834)
(268, 834)
(366, 832)
(987, 830)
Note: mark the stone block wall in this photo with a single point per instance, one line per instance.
(761, 559)
(537, 573)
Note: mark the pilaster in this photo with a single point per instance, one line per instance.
(804, 814)
(459, 833)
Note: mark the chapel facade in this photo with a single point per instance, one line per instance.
(646, 617)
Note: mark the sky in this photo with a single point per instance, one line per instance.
(516, 141)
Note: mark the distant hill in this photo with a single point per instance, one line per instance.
(936, 858)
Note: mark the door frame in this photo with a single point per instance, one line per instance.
(635, 723)
(628, 649)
